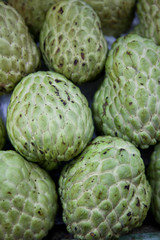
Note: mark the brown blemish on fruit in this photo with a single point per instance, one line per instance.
(61, 10)
(104, 108)
(75, 62)
(129, 214)
(82, 56)
(92, 234)
(138, 203)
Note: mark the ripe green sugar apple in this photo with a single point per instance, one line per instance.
(104, 191)
(2, 134)
(48, 119)
(153, 175)
(28, 199)
(116, 15)
(33, 11)
(149, 17)
(19, 54)
(72, 42)
(127, 104)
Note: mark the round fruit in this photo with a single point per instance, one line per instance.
(33, 12)
(104, 191)
(154, 179)
(116, 15)
(19, 54)
(28, 199)
(149, 19)
(48, 119)
(127, 104)
(2, 134)
(72, 42)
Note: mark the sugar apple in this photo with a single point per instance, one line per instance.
(19, 54)
(28, 199)
(149, 19)
(48, 119)
(104, 191)
(127, 104)
(2, 134)
(153, 174)
(33, 11)
(72, 42)
(116, 15)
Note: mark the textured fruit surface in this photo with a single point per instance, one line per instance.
(153, 174)
(149, 17)
(19, 54)
(2, 134)
(33, 11)
(116, 15)
(104, 191)
(28, 199)
(127, 104)
(72, 42)
(48, 119)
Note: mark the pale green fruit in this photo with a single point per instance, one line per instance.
(2, 134)
(153, 173)
(104, 191)
(19, 54)
(149, 17)
(48, 119)
(33, 12)
(28, 199)
(72, 42)
(127, 104)
(116, 15)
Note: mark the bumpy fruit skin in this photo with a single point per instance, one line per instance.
(153, 174)
(33, 11)
(104, 191)
(28, 199)
(48, 119)
(116, 15)
(2, 134)
(19, 54)
(127, 104)
(149, 17)
(72, 42)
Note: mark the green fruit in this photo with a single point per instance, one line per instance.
(33, 12)
(153, 174)
(104, 191)
(116, 15)
(48, 119)
(28, 199)
(2, 134)
(127, 103)
(149, 17)
(72, 42)
(19, 55)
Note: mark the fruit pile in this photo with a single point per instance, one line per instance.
(80, 114)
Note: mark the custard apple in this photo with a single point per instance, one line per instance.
(19, 54)
(127, 104)
(48, 119)
(104, 191)
(149, 17)
(116, 15)
(33, 11)
(2, 134)
(153, 174)
(72, 42)
(28, 199)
